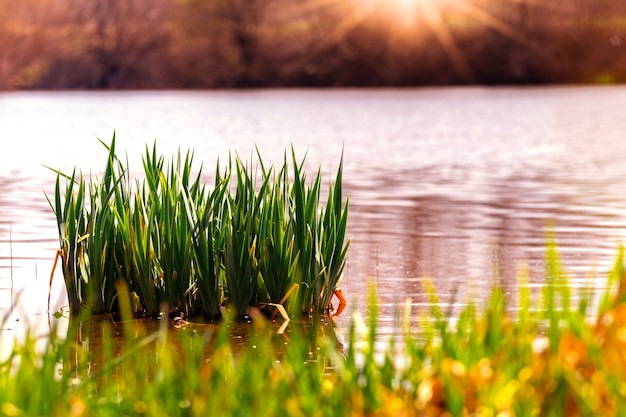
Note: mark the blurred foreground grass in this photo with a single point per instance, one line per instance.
(553, 358)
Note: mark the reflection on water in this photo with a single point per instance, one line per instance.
(99, 339)
(459, 185)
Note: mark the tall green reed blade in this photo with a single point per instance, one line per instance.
(146, 216)
(239, 265)
(207, 240)
(278, 261)
(72, 233)
(168, 201)
(120, 265)
(102, 231)
(304, 206)
(241, 257)
(95, 256)
(333, 247)
(153, 170)
(314, 278)
(162, 201)
(182, 237)
(143, 269)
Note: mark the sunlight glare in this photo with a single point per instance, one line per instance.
(405, 13)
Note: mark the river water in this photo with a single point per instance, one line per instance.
(456, 185)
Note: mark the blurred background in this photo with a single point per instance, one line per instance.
(155, 44)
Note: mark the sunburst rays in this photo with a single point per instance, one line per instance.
(409, 19)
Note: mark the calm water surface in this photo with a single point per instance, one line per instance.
(457, 185)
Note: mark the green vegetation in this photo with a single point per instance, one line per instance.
(562, 358)
(250, 240)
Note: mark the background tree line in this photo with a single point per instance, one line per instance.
(267, 43)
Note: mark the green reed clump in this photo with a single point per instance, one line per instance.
(251, 239)
(547, 356)
(88, 232)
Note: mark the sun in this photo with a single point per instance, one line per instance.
(403, 12)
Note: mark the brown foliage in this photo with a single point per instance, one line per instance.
(249, 43)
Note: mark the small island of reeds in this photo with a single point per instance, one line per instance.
(259, 236)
